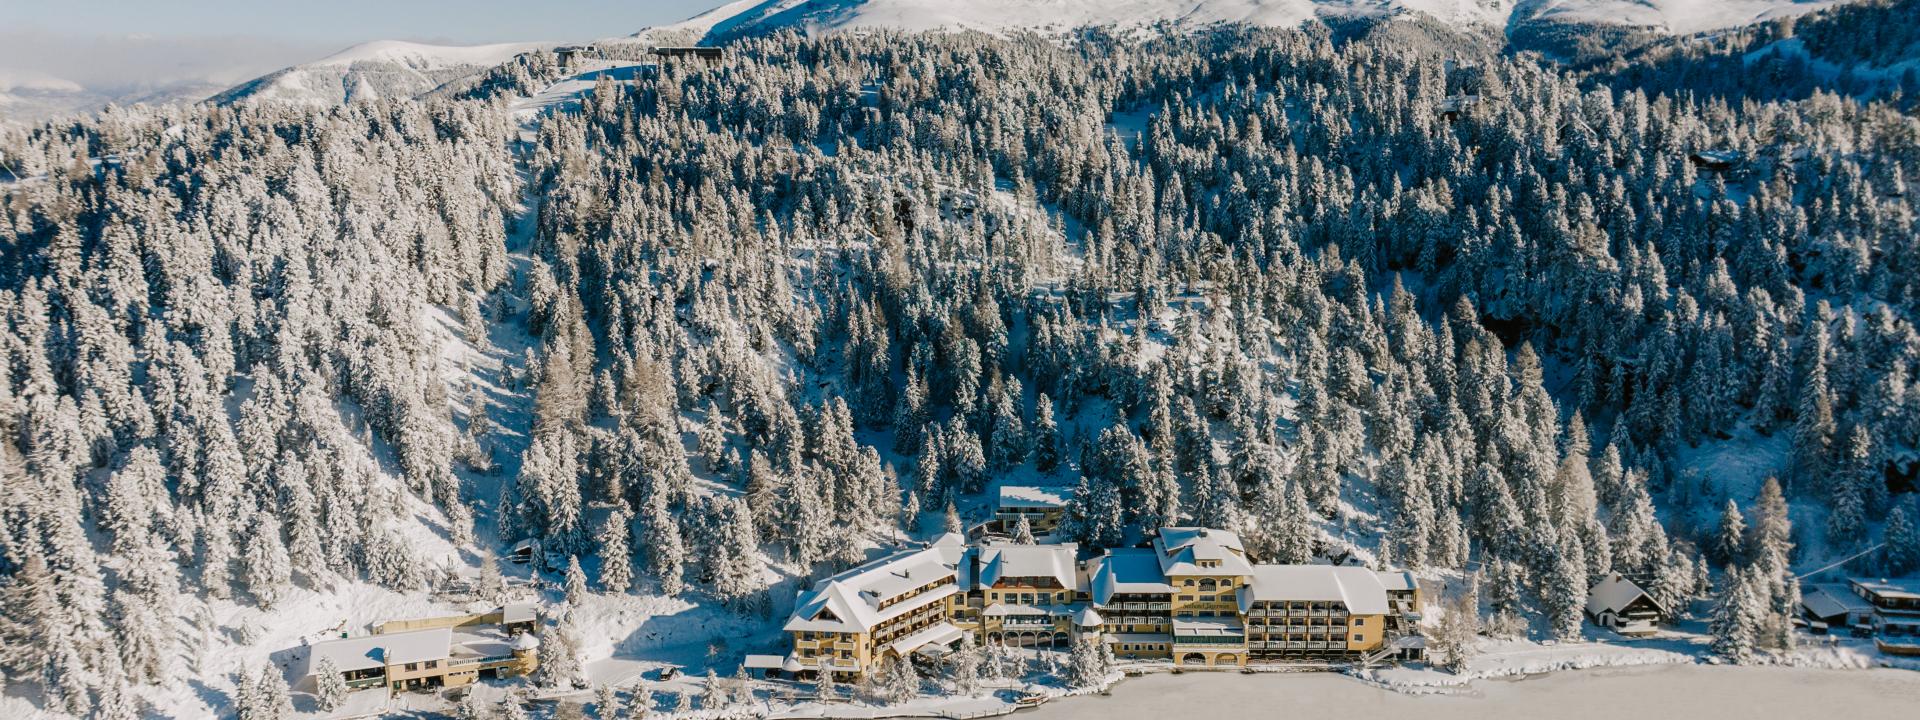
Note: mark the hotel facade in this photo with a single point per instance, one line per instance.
(1193, 597)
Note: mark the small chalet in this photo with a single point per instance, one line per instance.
(1623, 606)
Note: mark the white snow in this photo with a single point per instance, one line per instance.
(421, 56)
(746, 17)
(1679, 17)
(750, 16)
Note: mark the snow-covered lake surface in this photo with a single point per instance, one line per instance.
(1697, 691)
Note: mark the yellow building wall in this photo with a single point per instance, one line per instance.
(1366, 633)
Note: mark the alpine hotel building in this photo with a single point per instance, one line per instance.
(1193, 596)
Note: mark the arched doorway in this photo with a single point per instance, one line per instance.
(994, 637)
(1193, 659)
(1060, 640)
(1224, 659)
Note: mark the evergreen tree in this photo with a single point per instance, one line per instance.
(1902, 553)
(330, 685)
(616, 564)
(1737, 617)
(1729, 537)
(576, 581)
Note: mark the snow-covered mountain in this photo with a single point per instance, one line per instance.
(1678, 17)
(386, 68)
(30, 96)
(749, 17)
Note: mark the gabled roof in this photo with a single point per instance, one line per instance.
(1034, 497)
(1829, 600)
(1615, 593)
(999, 561)
(850, 601)
(1358, 588)
(1127, 570)
(372, 651)
(1183, 549)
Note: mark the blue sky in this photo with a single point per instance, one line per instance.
(155, 43)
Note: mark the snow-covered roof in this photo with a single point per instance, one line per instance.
(766, 662)
(1358, 588)
(998, 561)
(938, 634)
(1014, 610)
(372, 651)
(1908, 589)
(1033, 497)
(1615, 593)
(1208, 627)
(1200, 551)
(1127, 570)
(1087, 617)
(1398, 580)
(850, 601)
(519, 612)
(1827, 600)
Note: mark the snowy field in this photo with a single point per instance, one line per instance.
(1647, 692)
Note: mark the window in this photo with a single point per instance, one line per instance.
(413, 666)
(1357, 622)
(1359, 638)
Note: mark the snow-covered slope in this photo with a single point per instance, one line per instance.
(386, 68)
(1679, 17)
(749, 17)
(746, 17)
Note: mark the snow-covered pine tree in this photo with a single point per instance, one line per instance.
(330, 687)
(575, 581)
(1737, 617)
(1902, 553)
(616, 561)
(1730, 535)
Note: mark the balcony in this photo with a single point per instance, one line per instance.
(1160, 606)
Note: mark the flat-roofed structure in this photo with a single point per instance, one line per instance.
(1896, 613)
(423, 659)
(1043, 507)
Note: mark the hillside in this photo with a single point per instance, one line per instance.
(707, 331)
(381, 69)
(749, 17)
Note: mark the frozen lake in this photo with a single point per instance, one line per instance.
(1641, 693)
